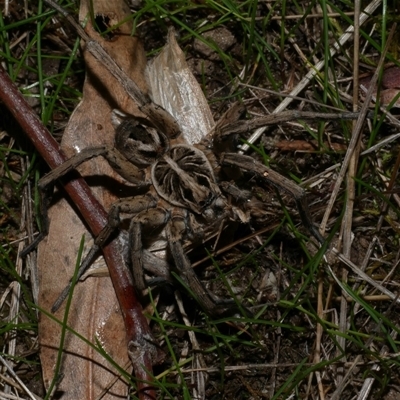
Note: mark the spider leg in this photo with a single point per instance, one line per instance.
(131, 205)
(280, 182)
(175, 228)
(117, 161)
(239, 195)
(46, 186)
(149, 219)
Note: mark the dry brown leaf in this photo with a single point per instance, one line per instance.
(95, 312)
(390, 86)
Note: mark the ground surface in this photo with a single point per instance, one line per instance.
(310, 337)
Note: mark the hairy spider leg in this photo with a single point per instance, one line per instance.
(131, 205)
(278, 181)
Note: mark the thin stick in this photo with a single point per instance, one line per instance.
(363, 276)
(15, 376)
(349, 207)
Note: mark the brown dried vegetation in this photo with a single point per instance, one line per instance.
(311, 337)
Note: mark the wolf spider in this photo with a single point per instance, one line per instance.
(186, 197)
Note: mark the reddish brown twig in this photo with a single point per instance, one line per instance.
(141, 348)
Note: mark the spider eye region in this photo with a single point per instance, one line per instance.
(184, 177)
